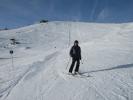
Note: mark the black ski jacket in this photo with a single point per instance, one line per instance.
(75, 52)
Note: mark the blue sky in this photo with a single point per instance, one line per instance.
(18, 13)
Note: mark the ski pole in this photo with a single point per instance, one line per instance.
(81, 61)
(68, 62)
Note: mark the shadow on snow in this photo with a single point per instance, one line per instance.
(112, 68)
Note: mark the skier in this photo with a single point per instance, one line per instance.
(75, 53)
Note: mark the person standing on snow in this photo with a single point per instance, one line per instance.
(75, 53)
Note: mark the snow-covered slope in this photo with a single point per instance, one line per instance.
(42, 55)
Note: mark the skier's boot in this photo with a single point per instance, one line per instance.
(76, 73)
(70, 73)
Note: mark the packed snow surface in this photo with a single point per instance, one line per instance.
(41, 59)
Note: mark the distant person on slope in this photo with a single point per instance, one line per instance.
(75, 53)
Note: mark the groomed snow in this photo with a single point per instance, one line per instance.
(41, 59)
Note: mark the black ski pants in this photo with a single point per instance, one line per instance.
(77, 61)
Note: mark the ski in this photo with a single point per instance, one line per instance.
(80, 75)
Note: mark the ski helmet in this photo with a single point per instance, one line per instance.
(76, 41)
